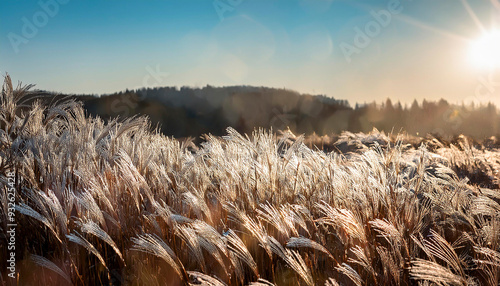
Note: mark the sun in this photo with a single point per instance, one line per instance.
(485, 51)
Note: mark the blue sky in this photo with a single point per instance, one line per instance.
(98, 46)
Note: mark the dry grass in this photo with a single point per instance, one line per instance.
(115, 203)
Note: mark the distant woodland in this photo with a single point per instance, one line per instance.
(191, 112)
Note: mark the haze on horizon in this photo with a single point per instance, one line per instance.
(360, 51)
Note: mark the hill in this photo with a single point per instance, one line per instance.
(191, 112)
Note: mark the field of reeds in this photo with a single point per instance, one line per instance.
(118, 203)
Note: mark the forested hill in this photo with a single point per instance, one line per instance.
(183, 112)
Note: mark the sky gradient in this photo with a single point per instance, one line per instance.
(419, 50)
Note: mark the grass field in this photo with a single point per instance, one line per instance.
(115, 203)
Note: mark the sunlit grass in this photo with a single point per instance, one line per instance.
(115, 203)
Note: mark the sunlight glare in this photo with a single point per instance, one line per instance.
(485, 51)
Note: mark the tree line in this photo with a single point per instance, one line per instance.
(185, 112)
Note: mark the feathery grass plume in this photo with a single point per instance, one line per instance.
(492, 256)
(254, 228)
(211, 244)
(298, 242)
(352, 274)
(236, 245)
(387, 231)
(150, 221)
(154, 245)
(188, 235)
(238, 270)
(207, 231)
(392, 268)
(57, 211)
(261, 282)
(435, 273)
(45, 263)
(293, 259)
(362, 260)
(28, 211)
(79, 239)
(200, 278)
(440, 248)
(130, 125)
(93, 228)
(488, 230)
(492, 194)
(303, 218)
(275, 218)
(484, 205)
(488, 262)
(331, 282)
(210, 240)
(198, 205)
(132, 178)
(490, 274)
(86, 202)
(179, 219)
(342, 219)
(419, 242)
(99, 188)
(10, 102)
(40, 204)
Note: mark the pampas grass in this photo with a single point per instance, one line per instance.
(116, 203)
